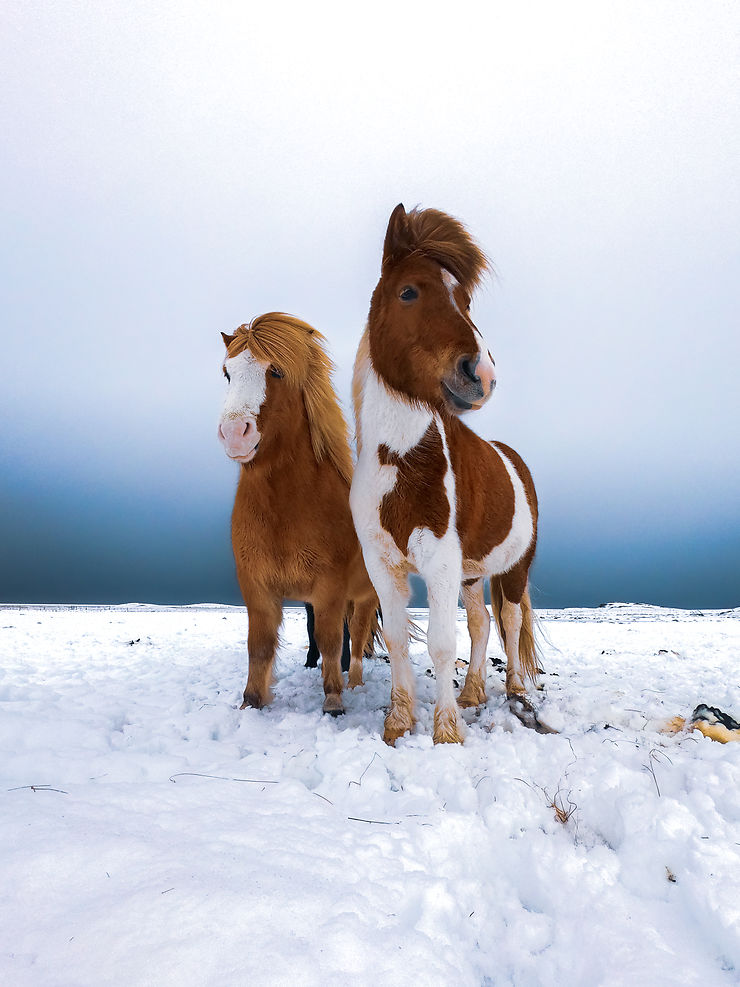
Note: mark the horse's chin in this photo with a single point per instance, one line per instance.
(247, 458)
(459, 404)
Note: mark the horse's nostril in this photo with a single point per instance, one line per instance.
(236, 430)
(468, 368)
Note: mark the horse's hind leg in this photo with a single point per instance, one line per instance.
(328, 628)
(479, 627)
(264, 617)
(346, 653)
(513, 612)
(312, 656)
(511, 620)
(359, 629)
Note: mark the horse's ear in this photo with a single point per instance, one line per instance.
(397, 240)
(228, 340)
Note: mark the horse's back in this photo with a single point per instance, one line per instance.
(522, 471)
(496, 500)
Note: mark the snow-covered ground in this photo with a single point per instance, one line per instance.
(153, 833)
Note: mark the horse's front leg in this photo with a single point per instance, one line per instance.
(265, 615)
(391, 585)
(442, 586)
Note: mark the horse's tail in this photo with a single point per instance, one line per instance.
(375, 637)
(529, 653)
(376, 640)
(416, 632)
(375, 631)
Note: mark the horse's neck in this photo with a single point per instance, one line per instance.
(456, 430)
(383, 416)
(386, 417)
(290, 457)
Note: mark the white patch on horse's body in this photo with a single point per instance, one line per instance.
(506, 554)
(429, 554)
(385, 419)
(247, 386)
(390, 419)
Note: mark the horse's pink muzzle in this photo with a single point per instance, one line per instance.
(240, 438)
(485, 371)
(470, 384)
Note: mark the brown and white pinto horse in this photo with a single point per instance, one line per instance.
(291, 528)
(428, 494)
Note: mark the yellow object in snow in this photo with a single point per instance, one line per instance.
(709, 721)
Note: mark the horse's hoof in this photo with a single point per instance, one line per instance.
(252, 700)
(391, 734)
(448, 738)
(400, 718)
(396, 726)
(470, 696)
(354, 680)
(521, 700)
(526, 713)
(447, 727)
(333, 706)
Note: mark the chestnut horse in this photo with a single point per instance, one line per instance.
(428, 495)
(291, 528)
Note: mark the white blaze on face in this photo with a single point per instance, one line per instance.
(450, 283)
(485, 368)
(245, 395)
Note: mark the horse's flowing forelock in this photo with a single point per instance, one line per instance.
(444, 239)
(297, 350)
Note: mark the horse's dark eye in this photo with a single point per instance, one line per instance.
(274, 372)
(226, 375)
(409, 294)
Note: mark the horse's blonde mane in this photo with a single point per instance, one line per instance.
(442, 238)
(298, 351)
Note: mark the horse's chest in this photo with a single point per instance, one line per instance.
(286, 537)
(398, 492)
(418, 497)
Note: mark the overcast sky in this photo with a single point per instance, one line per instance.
(170, 170)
